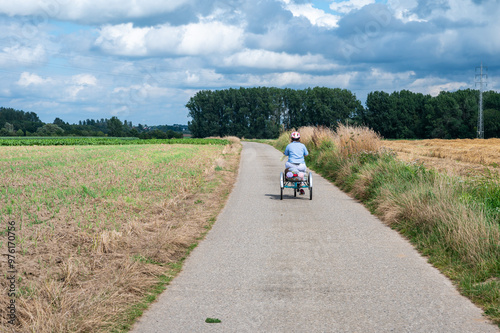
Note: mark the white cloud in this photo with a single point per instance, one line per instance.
(292, 79)
(22, 55)
(123, 39)
(28, 79)
(196, 38)
(378, 76)
(92, 11)
(345, 7)
(193, 39)
(277, 61)
(314, 15)
(433, 86)
(84, 79)
(78, 83)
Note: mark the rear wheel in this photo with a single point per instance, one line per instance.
(310, 183)
(282, 184)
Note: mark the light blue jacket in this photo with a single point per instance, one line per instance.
(296, 152)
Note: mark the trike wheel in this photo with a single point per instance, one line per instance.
(310, 183)
(282, 184)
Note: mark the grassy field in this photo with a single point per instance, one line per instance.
(100, 141)
(101, 229)
(451, 219)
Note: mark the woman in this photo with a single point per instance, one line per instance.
(296, 151)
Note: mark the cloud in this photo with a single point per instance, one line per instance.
(84, 80)
(90, 11)
(345, 7)
(79, 83)
(123, 39)
(314, 15)
(277, 61)
(433, 86)
(201, 38)
(28, 79)
(298, 80)
(22, 55)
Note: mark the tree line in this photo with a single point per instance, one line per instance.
(449, 115)
(19, 123)
(263, 112)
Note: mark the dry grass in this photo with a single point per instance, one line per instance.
(348, 140)
(434, 205)
(97, 224)
(464, 157)
(352, 140)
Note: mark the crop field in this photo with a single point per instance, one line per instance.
(98, 141)
(97, 227)
(463, 157)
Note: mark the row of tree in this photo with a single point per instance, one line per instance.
(408, 115)
(20, 123)
(263, 112)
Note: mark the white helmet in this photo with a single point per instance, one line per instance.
(295, 135)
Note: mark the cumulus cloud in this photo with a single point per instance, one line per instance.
(277, 61)
(201, 38)
(433, 86)
(28, 79)
(22, 55)
(90, 11)
(123, 39)
(84, 80)
(345, 7)
(299, 80)
(314, 15)
(78, 83)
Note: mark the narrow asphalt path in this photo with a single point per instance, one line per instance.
(296, 265)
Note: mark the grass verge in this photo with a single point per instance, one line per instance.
(453, 221)
(102, 229)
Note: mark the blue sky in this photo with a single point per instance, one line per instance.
(143, 60)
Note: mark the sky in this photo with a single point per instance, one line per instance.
(142, 60)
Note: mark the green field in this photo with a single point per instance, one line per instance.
(96, 225)
(91, 141)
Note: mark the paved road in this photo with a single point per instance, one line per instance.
(297, 265)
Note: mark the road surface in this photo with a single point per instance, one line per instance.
(296, 265)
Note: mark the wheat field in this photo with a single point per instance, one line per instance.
(463, 157)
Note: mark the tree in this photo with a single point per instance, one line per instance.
(7, 130)
(50, 130)
(115, 127)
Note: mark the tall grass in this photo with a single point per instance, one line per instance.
(454, 221)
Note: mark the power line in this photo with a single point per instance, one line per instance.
(481, 80)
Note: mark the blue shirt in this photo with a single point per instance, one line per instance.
(296, 152)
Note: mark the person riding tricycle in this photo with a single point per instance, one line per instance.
(296, 164)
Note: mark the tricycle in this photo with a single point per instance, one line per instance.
(296, 183)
